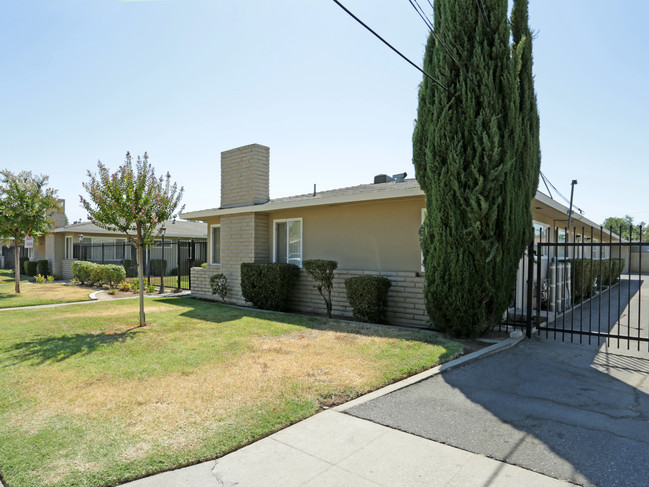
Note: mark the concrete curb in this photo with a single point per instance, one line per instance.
(485, 352)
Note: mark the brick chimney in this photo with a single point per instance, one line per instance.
(245, 176)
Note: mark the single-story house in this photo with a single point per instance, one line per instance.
(61, 246)
(368, 229)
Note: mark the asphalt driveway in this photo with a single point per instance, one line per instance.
(573, 412)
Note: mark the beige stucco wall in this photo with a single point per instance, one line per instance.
(376, 236)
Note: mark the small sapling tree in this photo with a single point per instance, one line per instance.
(133, 201)
(322, 272)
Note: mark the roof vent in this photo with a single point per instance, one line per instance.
(381, 178)
(384, 178)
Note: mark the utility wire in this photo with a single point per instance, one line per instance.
(437, 82)
(421, 14)
(430, 26)
(547, 181)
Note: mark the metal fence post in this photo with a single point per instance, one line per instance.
(530, 288)
(179, 271)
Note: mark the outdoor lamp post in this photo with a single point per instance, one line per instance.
(81, 246)
(163, 265)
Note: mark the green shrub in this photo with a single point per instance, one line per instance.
(30, 267)
(50, 279)
(124, 286)
(130, 266)
(150, 288)
(23, 259)
(267, 286)
(322, 272)
(81, 271)
(158, 266)
(43, 267)
(98, 274)
(616, 269)
(219, 285)
(368, 297)
(112, 275)
(41, 279)
(583, 275)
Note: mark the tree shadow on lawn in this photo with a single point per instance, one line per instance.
(51, 349)
(222, 313)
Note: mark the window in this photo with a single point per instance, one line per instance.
(288, 241)
(68, 248)
(215, 244)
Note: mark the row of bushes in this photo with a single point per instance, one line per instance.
(585, 275)
(268, 286)
(34, 267)
(98, 274)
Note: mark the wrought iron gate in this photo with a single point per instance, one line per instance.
(585, 286)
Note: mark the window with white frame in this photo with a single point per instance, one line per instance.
(287, 241)
(215, 244)
(68, 248)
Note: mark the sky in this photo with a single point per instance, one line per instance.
(184, 80)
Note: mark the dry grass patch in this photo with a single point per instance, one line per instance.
(32, 294)
(204, 380)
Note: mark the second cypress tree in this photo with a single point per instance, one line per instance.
(467, 150)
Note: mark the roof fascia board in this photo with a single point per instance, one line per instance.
(302, 203)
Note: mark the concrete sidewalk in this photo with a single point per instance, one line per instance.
(333, 448)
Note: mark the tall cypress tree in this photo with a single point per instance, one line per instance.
(467, 151)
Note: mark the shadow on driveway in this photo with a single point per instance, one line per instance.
(572, 412)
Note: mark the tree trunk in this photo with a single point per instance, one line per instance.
(140, 280)
(17, 266)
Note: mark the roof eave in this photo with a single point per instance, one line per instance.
(303, 203)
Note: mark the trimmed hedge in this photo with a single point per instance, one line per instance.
(43, 267)
(585, 273)
(30, 267)
(368, 297)
(267, 286)
(98, 274)
(23, 259)
(615, 266)
(130, 266)
(158, 266)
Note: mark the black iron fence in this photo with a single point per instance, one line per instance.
(167, 264)
(584, 285)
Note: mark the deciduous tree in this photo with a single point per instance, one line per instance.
(26, 207)
(132, 201)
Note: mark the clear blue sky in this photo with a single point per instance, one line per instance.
(83, 80)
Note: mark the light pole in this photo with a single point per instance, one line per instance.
(163, 264)
(81, 246)
(572, 192)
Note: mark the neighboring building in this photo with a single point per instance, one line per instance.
(367, 229)
(62, 245)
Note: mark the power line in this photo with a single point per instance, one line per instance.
(430, 26)
(437, 82)
(422, 15)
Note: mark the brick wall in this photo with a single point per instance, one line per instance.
(245, 176)
(405, 297)
(66, 269)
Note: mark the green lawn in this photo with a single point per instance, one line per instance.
(87, 399)
(32, 293)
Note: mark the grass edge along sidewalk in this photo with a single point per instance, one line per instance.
(103, 402)
(35, 294)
